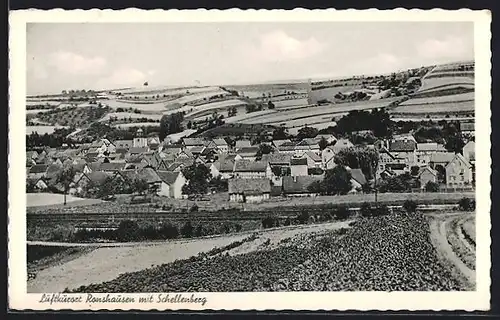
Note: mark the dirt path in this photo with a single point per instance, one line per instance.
(108, 262)
(445, 251)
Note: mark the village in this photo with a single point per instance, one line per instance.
(248, 173)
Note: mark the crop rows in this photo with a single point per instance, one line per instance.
(389, 253)
(467, 256)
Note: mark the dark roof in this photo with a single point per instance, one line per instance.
(168, 177)
(248, 150)
(112, 166)
(248, 185)
(314, 156)
(39, 168)
(358, 175)
(402, 145)
(299, 184)
(298, 162)
(147, 174)
(121, 150)
(429, 169)
(250, 166)
(196, 149)
(136, 150)
(97, 177)
(277, 158)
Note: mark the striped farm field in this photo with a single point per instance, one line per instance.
(130, 115)
(469, 96)
(291, 102)
(191, 98)
(35, 111)
(431, 83)
(214, 106)
(466, 106)
(151, 107)
(314, 111)
(138, 124)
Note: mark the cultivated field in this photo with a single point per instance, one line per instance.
(130, 115)
(442, 108)
(107, 263)
(287, 115)
(137, 125)
(463, 97)
(388, 253)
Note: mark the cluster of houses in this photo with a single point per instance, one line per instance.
(288, 170)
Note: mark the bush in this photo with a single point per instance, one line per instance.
(342, 213)
(410, 206)
(194, 208)
(366, 209)
(303, 217)
(128, 230)
(187, 230)
(270, 222)
(466, 204)
(431, 186)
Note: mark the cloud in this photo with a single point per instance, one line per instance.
(449, 48)
(278, 46)
(122, 77)
(75, 64)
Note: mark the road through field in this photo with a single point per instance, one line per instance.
(438, 228)
(107, 263)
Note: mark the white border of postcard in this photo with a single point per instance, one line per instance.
(468, 301)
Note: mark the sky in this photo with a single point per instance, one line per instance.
(64, 56)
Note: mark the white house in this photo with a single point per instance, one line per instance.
(328, 158)
(221, 145)
(458, 172)
(298, 167)
(340, 145)
(425, 150)
(469, 151)
(171, 184)
(313, 160)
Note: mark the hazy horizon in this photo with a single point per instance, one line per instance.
(113, 55)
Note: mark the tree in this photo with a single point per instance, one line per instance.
(280, 133)
(65, 178)
(140, 186)
(337, 181)
(454, 143)
(187, 230)
(264, 149)
(197, 176)
(431, 186)
(323, 143)
(363, 158)
(270, 105)
(307, 132)
(415, 170)
(171, 123)
(410, 206)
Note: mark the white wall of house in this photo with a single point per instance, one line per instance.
(299, 170)
(458, 173)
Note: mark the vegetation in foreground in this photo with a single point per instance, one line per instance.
(388, 253)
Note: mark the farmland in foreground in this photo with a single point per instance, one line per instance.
(107, 263)
(388, 253)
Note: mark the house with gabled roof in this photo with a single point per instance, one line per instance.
(328, 158)
(221, 145)
(112, 166)
(37, 171)
(171, 184)
(313, 160)
(341, 144)
(248, 153)
(189, 143)
(242, 144)
(425, 150)
(427, 174)
(248, 169)
(458, 172)
(298, 186)
(287, 147)
(391, 161)
(406, 149)
(278, 143)
(298, 166)
(249, 190)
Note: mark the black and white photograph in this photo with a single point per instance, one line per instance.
(259, 156)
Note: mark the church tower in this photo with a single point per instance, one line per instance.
(139, 140)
